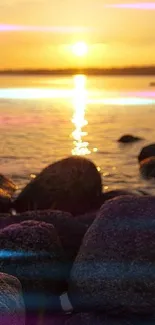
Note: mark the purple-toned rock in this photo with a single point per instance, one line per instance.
(147, 152)
(147, 168)
(32, 252)
(128, 138)
(12, 311)
(72, 184)
(114, 271)
(70, 230)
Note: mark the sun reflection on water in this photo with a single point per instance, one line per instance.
(79, 121)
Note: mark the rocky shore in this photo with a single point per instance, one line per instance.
(71, 254)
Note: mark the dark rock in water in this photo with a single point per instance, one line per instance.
(147, 152)
(7, 185)
(127, 138)
(12, 311)
(147, 167)
(72, 184)
(114, 269)
(69, 229)
(152, 84)
(101, 319)
(5, 201)
(32, 252)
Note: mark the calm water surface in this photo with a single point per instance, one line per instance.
(43, 119)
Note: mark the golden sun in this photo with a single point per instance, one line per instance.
(80, 49)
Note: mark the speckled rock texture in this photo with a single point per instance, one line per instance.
(128, 138)
(115, 267)
(70, 230)
(147, 168)
(33, 253)
(101, 319)
(146, 152)
(72, 184)
(12, 310)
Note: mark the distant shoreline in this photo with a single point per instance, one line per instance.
(127, 71)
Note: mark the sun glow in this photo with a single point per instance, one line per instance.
(80, 49)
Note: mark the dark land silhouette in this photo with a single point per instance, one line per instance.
(124, 71)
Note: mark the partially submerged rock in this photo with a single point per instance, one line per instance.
(147, 168)
(147, 152)
(72, 184)
(12, 311)
(114, 269)
(128, 138)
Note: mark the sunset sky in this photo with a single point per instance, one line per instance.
(118, 33)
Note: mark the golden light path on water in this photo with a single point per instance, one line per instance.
(79, 121)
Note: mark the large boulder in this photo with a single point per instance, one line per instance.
(128, 138)
(12, 311)
(72, 184)
(32, 251)
(147, 152)
(70, 230)
(147, 167)
(114, 269)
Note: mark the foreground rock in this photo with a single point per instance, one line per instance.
(103, 319)
(147, 152)
(11, 301)
(72, 184)
(127, 138)
(147, 167)
(70, 230)
(34, 254)
(114, 269)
